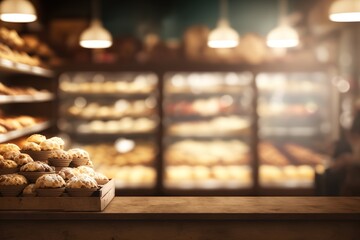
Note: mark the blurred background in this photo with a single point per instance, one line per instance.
(215, 97)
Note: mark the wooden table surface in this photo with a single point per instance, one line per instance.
(202, 208)
(203, 218)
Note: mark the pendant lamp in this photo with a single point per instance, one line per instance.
(345, 11)
(17, 11)
(283, 36)
(223, 36)
(95, 36)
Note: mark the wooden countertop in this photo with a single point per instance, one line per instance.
(209, 208)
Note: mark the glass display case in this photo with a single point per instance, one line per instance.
(296, 121)
(208, 129)
(114, 116)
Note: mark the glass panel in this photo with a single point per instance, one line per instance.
(208, 128)
(295, 127)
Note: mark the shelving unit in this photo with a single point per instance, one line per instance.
(19, 74)
(111, 115)
(5, 137)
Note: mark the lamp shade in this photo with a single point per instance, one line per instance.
(96, 36)
(223, 36)
(282, 37)
(19, 11)
(345, 11)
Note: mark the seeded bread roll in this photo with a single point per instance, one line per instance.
(36, 166)
(82, 181)
(11, 155)
(86, 170)
(60, 154)
(67, 173)
(50, 181)
(7, 147)
(36, 138)
(12, 179)
(23, 159)
(78, 153)
(31, 146)
(58, 141)
(6, 163)
(29, 189)
(49, 145)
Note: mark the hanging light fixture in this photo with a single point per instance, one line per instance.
(283, 36)
(95, 36)
(223, 36)
(18, 11)
(345, 11)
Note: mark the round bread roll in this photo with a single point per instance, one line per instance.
(29, 189)
(12, 179)
(11, 155)
(60, 154)
(7, 147)
(6, 163)
(82, 181)
(50, 181)
(36, 166)
(31, 146)
(68, 172)
(36, 138)
(22, 159)
(78, 153)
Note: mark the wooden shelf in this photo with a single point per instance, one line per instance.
(7, 66)
(24, 131)
(42, 97)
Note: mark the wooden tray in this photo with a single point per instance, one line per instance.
(96, 203)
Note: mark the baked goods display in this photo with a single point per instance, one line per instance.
(121, 108)
(132, 168)
(208, 153)
(26, 50)
(48, 180)
(125, 125)
(108, 83)
(214, 82)
(21, 91)
(39, 147)
(203, 177)
(8, 124)
(212, 106)
(288, 164)
(206, 115)
(219, 126)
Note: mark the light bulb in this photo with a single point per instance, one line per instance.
(96, 36)
(18, 11)
(345, 11)
(282, 37)
(223, 36)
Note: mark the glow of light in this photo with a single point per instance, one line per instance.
(345, 11)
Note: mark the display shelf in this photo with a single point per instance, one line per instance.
(95, 96)
(24, 131)
(7, 66)
(43, 97)
(181, 96)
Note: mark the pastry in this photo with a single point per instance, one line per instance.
(11, 154)
(36, 138)
(101, 178)
(29, 190)
(82, 181)
(50, 181)
(86, 170)
(7, 147)
(6, 164)
(22, 159)
(49, 145)
(12, 179)
(31, 146)
(66, 173)
(36, 166)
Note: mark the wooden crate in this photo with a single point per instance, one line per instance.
(95, 203)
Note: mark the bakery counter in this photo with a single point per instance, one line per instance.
(194, 218)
